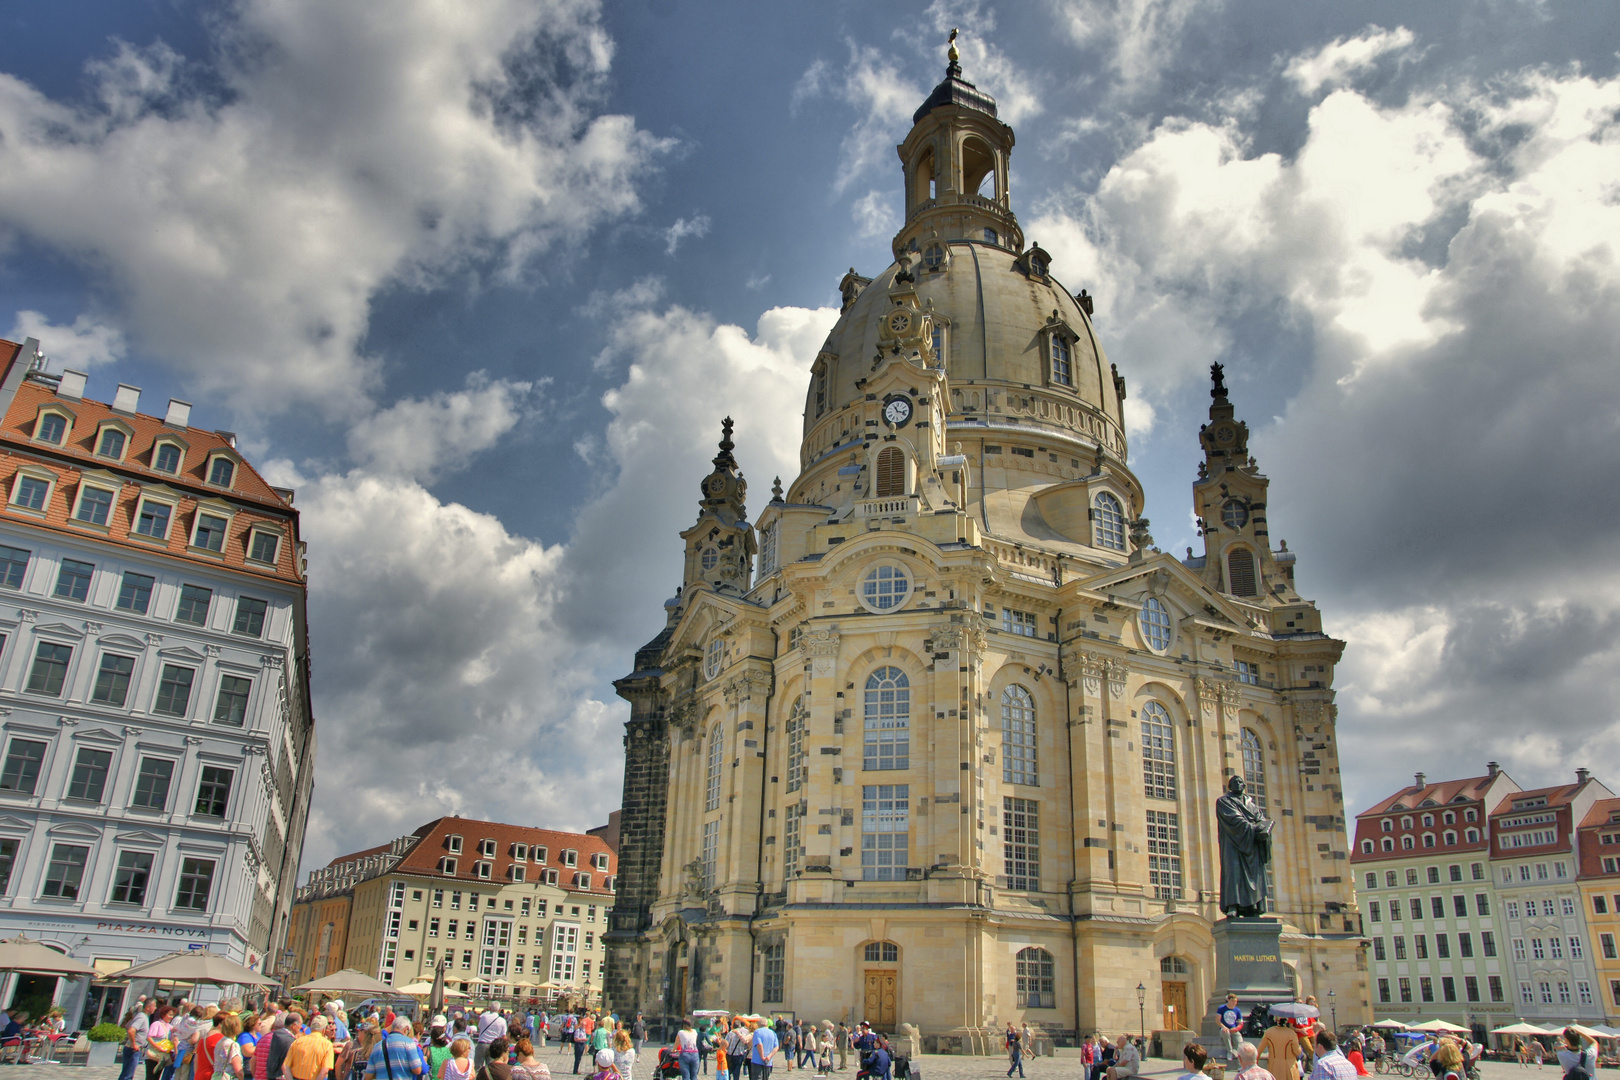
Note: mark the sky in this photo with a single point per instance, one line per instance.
(480, 281)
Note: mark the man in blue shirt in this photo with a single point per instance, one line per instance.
(759, 1058)
(397, 1056)
(1231, 1018)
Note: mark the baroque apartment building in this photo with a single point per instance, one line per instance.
(158, 743)
(1484, 902)
(1599, 877)
(507, 909)
(937, 737)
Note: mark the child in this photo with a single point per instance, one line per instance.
(605, 1069)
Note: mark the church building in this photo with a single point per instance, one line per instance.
(936, 738)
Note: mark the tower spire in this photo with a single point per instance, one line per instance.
(953, 70)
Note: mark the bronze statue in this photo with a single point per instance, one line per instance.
(1245, 852)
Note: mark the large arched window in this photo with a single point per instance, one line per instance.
(1254, 766)
(1108, 522)
(1154, 620)
(711, 776)
(795, 745)
(1158, 752)
(1036, 979)
(891, 473)
(1240, 572)
(888, 720)
(1018, 755)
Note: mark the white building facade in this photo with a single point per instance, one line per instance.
(158, 739)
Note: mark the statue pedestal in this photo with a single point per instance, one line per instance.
(1248, 963)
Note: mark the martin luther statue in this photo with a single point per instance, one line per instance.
(1245, 852)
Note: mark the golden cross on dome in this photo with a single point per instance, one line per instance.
(953, 55)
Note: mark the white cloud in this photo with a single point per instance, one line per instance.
(696, 226)
(424, 438)
(884, 100)
(983, 64)
(1344, 58)
(1139, 39)
(352, 149)
(875, 214)
(82, 346)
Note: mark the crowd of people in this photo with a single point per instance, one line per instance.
(30, 1037)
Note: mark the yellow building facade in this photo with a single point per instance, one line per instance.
(937, 739)
(1599, 863)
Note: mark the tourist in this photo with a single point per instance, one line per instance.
(267, 1065)
(877, 1062)
(438, 1048)
(605, 1069)
(159, 1042)
(1354, 1057)
(624, 1053)
(1280, 1048)
(638, 1032)
(227, 1051)
(458, 1066)
(843, 1045)
(396, 1055)
(1128, 1060)
(523, 1063)
(136, 1026)
(738, 1041)
(497, 1062)
(582, 1034)
(1447, 1059)
(1231, 1021)
(310, 1056)
(760, 1053)
(824, 1066)
(1015, 1050)
(490, 1028)
(686, 1050)
(1577, 1053)
(1195, 1057)
(1330, 1062)
(1107, 1053)
(1248, 1056)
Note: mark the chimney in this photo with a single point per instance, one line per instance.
(1492, 768)
(228, 436)
(179, 414)
(127, 398)
(1582, 775)
(72, 385)
(1419, 779)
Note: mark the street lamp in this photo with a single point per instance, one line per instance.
(1334, 1006)
(1141, 1009)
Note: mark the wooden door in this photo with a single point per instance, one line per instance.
(880, 999)
(1175, 1005)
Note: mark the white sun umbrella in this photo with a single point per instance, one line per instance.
(1296, 1010)
(1521, 1028)
(1390, 1025)
(1590, 1033)
(1437, 1025)
(196, 966)
(27, 955)
(347, 981)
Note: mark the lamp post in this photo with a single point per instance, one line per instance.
(1334, 1006)
(1141, 1009)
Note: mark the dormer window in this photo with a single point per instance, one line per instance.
(582, 881)
(599, 861)
(520, 852)
(1108, 522)
(516, 873)
(991, 236)
(112, 443)
(447, 865)
(95, 502)
(486, 848)
(264, 545)
(221, 471)
(570, 858)
(539, 854)
(482, 869)
(452, 844)
(933, 256)
(166, 457)
(153, 519)
(51, 427)
(208, 534)
(31, 490)
(1062, 361)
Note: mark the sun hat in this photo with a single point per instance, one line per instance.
(604, 1058)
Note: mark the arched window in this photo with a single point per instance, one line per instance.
(891, 473)
(1406, 843)
(1389, 826)
(1472, 835)
(888, 720)
(882, 952)
(1155, 622)
(1018, 754)
(712, 657)
(1428, 839)
(1254, 767)
(1062, 361)
(711, 777)
(1036, 979)
(795, 745)
(1158, 752)
(1240, 572)
(1108, 522)
(1450, 837)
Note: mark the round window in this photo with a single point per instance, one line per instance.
(885, 588)
(934, 256)
(1155, 621)
(711, 558)
(1235, 514)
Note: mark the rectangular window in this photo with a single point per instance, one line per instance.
(1583, 992)
(50, 669)
(1406, 989)
(1164, 854)
(1563, 993)
(1400, 947)
(1021, 843)
(709, 854)
(153, 520)
(1465, 946)
(1575, 952)
(135, 593)
(1606, 943)
(1442, 947)
(1527, 993)
(1495, 984)
(1518, 949)
(885, 831)
(211, 529)
(1476, 870)
(1383, 991)
(196, 882)
(21, 771)
(193, 607)
(1555, 948)
(152, 784)
(1567, 904)
(214, 791)
(1448, 988)
(774, 965)
(1375, 912)
(73, 580)
(1248, 673)
(790, 843)
(1021, 623)
(264, 547)
(249, 617)
(1394, 911)
(1459, 906)
(1487, 942)
(174, 690)
(230, 707)
(1537, 950)
(13, 566)
(112, 681)
(95, 505)
(65, 872)
(8, 859)
(1614, 990)
(89, 780)
(887, 721)
(433, 928)
(32, 493)
(1437, 907)
(564, 951)
(129, 880)
(1420, 945)
(466, 959)
(1482, 904)
(1600, 906)
(1471, 987)
(1378, 949)
(1426, 987)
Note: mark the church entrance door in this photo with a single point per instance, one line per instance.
(1175, 1005)
(880, 999)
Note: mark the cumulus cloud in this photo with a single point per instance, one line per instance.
(1138, 39)
(695, 226)
(1449, 263)
(85, 344)
(875, 214)
(245, 233)
(1343, 58)
(424, 438)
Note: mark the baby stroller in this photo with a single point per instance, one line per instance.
(669, 1063)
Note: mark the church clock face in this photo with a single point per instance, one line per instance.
(716, 485)
(1225, 435)
(899, 322)
(897, 411)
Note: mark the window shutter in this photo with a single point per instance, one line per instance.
(1240, 572)
(891, 473)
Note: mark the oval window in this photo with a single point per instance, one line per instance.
(1155, 620)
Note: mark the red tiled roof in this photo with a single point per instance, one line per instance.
(423, 858)
(1439, 793)
(1411, 803)
(378, 850)
(1558, 795)
(1603, 820)
(254, 501)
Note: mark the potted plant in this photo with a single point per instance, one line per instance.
(106, 1043)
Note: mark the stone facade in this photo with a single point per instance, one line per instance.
(950, 757)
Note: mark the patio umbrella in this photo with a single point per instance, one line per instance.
(1390, 1025)
(196, 966)
(347, 981)
(1521, 1028)
(1296, 1010)
(1590, 1033)
(1436, 1025)
(437, 995)
(423, 988)
(27, 955)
